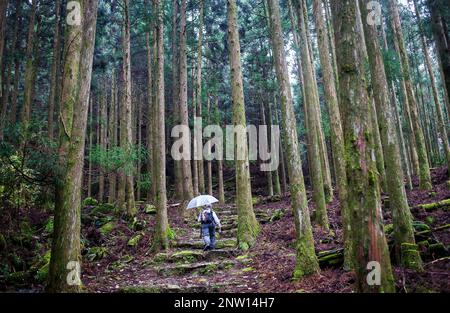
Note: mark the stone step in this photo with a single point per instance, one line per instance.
(192, 256)
(198, 244)
(205, 287)
(200, 268)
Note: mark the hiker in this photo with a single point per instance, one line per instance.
(209, 221)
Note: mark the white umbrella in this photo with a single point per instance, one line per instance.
(201, 201)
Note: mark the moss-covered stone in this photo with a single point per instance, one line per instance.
(133, 242)
(90, 202)
(107, 228)
(150, 209)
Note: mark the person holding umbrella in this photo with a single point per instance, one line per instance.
(208, 219)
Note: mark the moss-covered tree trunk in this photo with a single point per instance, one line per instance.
(248, 227)
(406, 249)
(188, 191)
(161, 234)
(424, 168)
(337, 135)
(312, 123)
(369, 241)
(306, 262)
(65, 262)
(150, 163)
(275, 174)
(209, 162)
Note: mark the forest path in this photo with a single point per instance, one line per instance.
(187, 268)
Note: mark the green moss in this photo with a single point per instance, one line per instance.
(388, 229)
(150, 209)
(96, 253)
(277, 215)
(419, 226)
(139, 289)
(17, 278)
(170, 233)
(133, 242)
(107, 228)
(48, 227)
(429, 220)
(248, 269)
(90, 202)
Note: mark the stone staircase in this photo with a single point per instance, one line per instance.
(187, 268)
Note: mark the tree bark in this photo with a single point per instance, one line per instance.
(188, 192)
(162, 230)
(306, 262)
(198, 87)
(73, 119)
(248, 227)
(54, 71)
(437, 103)
(424, 168)
(126, 204)
(402, 218)
(112, 136)
(337, 135)
(312, 123)
(369, 242)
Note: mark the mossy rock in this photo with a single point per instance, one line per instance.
(248, 269)
(104, 208)
(133, 242)
(89, 201)
(107, 228)
(277, 215)
(150, 209)
(186, 256)
(419, 226)
(161, 257)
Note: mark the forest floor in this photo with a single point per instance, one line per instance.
(117, 255)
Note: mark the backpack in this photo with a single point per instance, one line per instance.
(207, 217)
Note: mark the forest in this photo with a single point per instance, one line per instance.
(211, 146)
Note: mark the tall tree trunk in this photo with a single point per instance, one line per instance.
(198, 87)
(437, 103)
(209, 162)
(306, 262)
(103, 137)
(54, 71)
(179, 193)
(406, 249)
(312, 123)
(337, 135)
(424, 168)
(194, 141)
(369, 242)
(248, 227)
(8, 67)
(442, 44)
(112, 135)
(221, 191)
(64, 270)
(91, 133)
(162, 230)
(275, 175)
(29, 69)
(268, 173)
(126, 137)
(150, 162)
(188, 191)
(3, 7)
